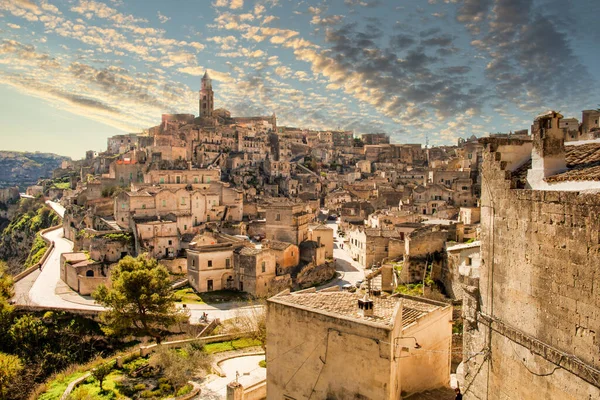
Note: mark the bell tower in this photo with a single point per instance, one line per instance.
(206, 97)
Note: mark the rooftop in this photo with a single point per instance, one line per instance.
(345, 304)
(277, 245)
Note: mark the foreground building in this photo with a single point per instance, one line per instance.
(532, 323)
(341, 345)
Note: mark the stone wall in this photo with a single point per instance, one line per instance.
(531, 328)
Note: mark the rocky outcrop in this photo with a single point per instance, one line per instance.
(312, 275)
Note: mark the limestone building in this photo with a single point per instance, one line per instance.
(340, 345)
(210, 262)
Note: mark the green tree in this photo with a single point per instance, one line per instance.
(140, 300)
(6, 289)
(180, 366)
(10, 368)
(101, 372)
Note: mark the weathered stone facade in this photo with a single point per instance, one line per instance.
(531, 328)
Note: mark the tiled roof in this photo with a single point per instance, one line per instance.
(583, 162)
(277, 245)
(346, 304)
(249, 251)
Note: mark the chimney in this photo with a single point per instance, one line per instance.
(548, 153)
(365, 306)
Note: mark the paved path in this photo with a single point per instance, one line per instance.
(47, 288)
(349, 270)
(249, 373)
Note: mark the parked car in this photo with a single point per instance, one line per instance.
(358, 283)
(347, 286)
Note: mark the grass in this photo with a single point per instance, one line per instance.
(411, 289)
(56, 388)
(187, 295)
(90, 389)
(237, 344)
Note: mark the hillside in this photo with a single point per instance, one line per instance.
(24, 169)
(20, 247)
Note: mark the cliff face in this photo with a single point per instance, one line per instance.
(18, 238)
(24, 169)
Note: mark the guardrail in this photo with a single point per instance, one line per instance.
(37, 265)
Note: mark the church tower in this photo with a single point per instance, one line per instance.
(206, 97)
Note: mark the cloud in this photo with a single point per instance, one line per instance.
(162, 18)
(226, 42)
(531, 60)
(232, 4)
(328, 20)
(13, 26)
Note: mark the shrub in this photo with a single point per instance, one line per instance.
(184, 390)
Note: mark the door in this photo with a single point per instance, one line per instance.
(209, 285)
(241, 286)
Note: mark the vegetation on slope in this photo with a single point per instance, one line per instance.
(24, 168)
(20, 246)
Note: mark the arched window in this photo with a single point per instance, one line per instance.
(89, 273)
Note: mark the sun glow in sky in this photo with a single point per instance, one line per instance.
(73, 72)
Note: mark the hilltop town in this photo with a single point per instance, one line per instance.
(380, 255)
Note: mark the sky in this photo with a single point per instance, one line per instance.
(74, 72)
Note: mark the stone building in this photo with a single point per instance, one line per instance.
(287, 255)
(462, 262)
(204, 203)
(531, 323)
(287, 222)
(210, 262)
(340, 345)
(81, 273)
(323, 235)
(255, 272)
(375, 138)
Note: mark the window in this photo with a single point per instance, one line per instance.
(183, 201)
(195, 179)
(465, 188)
(470, 156)
(161, 180)
(170, 242)
(193, 262)
(263, 266)
(468, 261)
(209, 263)
(208, 179)
(122, 206)
(143, 206)
(90, 273)
(178, 179)
(164, 203)
(227, 263)
(278, 217)
(185, 227)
